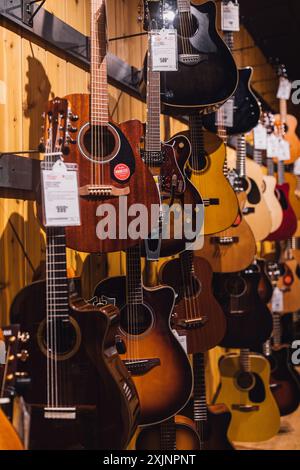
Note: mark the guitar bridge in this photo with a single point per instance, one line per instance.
(100, 191)
(60, 413)
(192, 324)
(245, 408)
(192, 59)
(211, 202)
(141, 367)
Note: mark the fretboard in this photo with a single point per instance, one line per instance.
(258, 156)
(245, 361)
(153, 137)
(197, 138)
(276, 329)
(56, 266)
(168, 435)
(187, 271)
(229, 39)
(200, 404)
(99, 88)
(134, 276)
(271, 167)
(281, 172)
(241, 156)
(183, 6)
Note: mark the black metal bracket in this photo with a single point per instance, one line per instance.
(28, 10)
(19, 177)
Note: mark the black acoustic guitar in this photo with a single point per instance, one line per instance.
(81, 394)
(249, 321)
(207, 74)
(246, 107)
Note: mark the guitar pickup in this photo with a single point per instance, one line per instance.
(245, 408)
(99, 191)
(224, 240)
(191, 324)
(211, 202)
(141, 367)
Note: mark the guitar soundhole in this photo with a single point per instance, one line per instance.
(200, 163)
(59, 338)
(98, 143)
(136, 319)
(186, 25)
(236, 287)
(245, 381)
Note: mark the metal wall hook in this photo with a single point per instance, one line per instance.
(28, 10)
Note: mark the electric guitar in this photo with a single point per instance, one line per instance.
(148, 347)
(197, 314)
(245, 389)
(111, 169)
(284, 381)
(249, 321)
(81, 394)
(205, 170)
(207, 74)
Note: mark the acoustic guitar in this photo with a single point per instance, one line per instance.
(167, 162)
(245, 389)
(111, 169)
(205, 170)
(206, 67)
(197, 314)
(257, 212)
(294, 195)
(81, 394)
(249, 321)
(149, 348)
(284, 381)
(289, 281)
(289, 223)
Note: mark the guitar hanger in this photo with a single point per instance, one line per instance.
(27, 10)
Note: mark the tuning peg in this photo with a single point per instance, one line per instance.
(23, 355)
(73, 117)
(72, 129)
(69, 139)
(24, 337)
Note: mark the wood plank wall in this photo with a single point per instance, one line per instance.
(30, 74)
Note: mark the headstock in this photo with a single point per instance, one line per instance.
(282, 71)
(153, 14)
(56, 126)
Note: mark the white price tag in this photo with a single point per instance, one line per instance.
(284, 90)
(164, 50)
(2, 352)
(260, 137)
(225, 114)
(60, 195)
(277, 300)
(272, 146)
(230, 13)
(297, 167)
(181, 339)
(284, 153)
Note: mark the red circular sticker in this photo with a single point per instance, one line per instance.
(121, 172)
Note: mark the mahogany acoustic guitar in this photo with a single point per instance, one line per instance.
(111, 169)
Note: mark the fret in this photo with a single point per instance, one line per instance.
(271, 167)
(276, 329)
(153, 134)
(258, 156)
(281, 172)
(245, 360)
(168, 435)
(134, 286)
(241, 156)
(200, 402)
(183, 6)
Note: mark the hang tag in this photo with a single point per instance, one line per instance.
(260, 137)
(164, 50)
(225, 114)
(60, 194)
(272, 146)
(230, 13)
(284, 153)
(182, 340)
(2, 352)
(277, 300)
(285, 89)
(297, 167)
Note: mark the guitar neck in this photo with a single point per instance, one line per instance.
(276, 329)
(283, 112)
(271, 167)
(200, 404)
(229, 40)
(183, 6)
(187, 270)
(197, 137)
(245, 360)
(99, 87)
(241, 156)
(134, 285)
(258, 156)
(153, 136)
(168, 435)
(281, 172)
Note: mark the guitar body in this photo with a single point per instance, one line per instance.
(207, 175)
(208, 69)
(149, 438)
(165, 365)
(291, 125)
(259, 214)
(249, 321)
(294, 195)
(121, 180)
(284, 382)
(9, 439)
(289, 223)
(199, 304)
(265, 288)
(289, 283)
(273, 203)
(255, 415)
(232, 250)
(176, 153)
(91, 370)
(246, 108)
